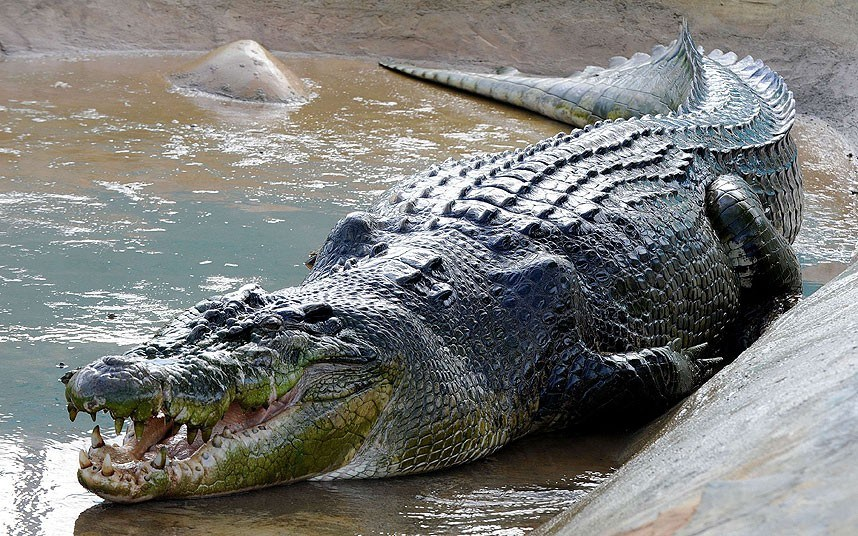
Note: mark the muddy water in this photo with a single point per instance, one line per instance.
(122, 202)
(828, 240)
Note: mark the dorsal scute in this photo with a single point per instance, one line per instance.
(551, 185)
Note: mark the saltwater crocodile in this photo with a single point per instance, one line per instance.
(601, 274)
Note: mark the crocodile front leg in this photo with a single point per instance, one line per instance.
(590, 386)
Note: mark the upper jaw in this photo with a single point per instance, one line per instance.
(192, 378)
(198, 390)
(195, 391)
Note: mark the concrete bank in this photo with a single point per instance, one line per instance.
(768, 446)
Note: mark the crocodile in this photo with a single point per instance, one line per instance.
(597, 276)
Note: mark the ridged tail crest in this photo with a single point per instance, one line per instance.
(655, 83)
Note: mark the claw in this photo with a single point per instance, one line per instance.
(84, 460)
(710, 363)
(160, 459)
(95, 437)
(107, 466)
(696, 351)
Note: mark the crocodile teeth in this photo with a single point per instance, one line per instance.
(118, 424)
(207, 434)
(95, 437)
(192, 435)
(84, 460)
(217, 442)
(139, 428)
(160, 459)
(93, 416)
(72, 413)
(107, 466)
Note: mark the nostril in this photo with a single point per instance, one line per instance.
(317, 312)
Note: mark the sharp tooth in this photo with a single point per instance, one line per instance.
(107, 466)
(175, 427)
(207, 434)
(227, 433)
(84, 460)
(139, 427)
(97, 441)
(93, 416)
(182, 415)
(160, 459)
(192, 435)
(217, 442)
(118, 424)
(72, 413)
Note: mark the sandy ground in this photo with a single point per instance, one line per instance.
(812, 43)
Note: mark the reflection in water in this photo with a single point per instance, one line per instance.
(509, 493)
(39, 497)
(122, 202)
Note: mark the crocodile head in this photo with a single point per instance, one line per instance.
(239, 392)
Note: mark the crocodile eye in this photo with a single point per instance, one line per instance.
(271, 323)
(317, 312)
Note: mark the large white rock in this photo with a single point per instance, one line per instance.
(242, 70)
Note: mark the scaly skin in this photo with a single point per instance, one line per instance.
(596, 275)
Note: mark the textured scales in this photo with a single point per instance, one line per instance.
(601, 274)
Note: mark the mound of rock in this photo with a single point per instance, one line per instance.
(767, 446)
(242, 70)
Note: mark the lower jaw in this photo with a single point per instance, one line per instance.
(163, 464)
(133, 478)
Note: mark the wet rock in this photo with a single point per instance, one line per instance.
(242, 70)
(768, 446)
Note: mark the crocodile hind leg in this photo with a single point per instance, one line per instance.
(765, 263)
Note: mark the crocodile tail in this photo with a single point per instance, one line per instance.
(667, 80)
